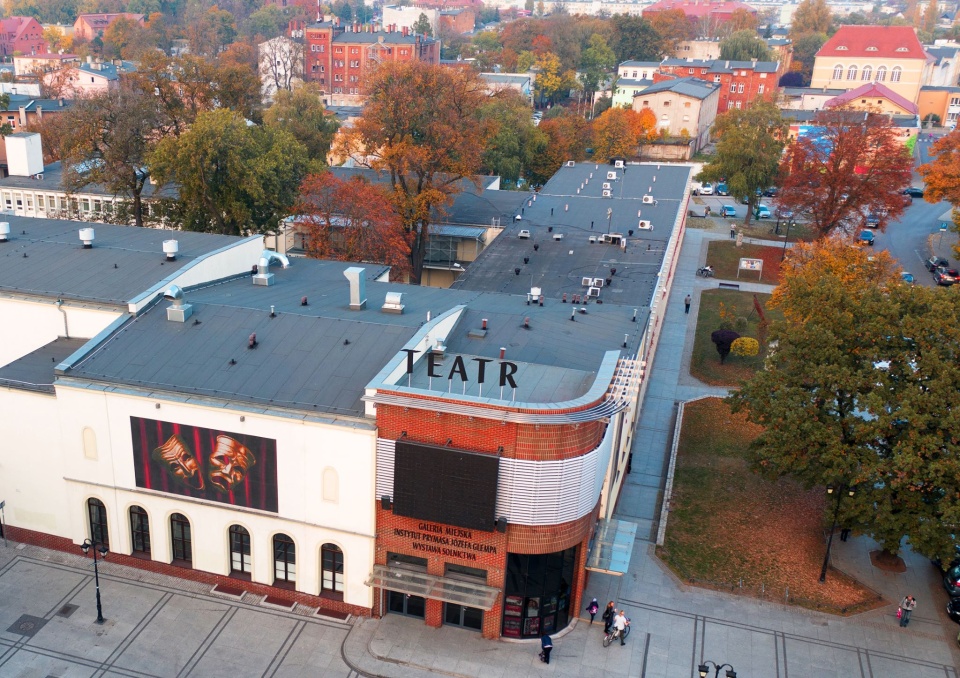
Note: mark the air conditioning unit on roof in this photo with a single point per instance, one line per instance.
(586, 282)
(607, 193)
(571, 163)
(618, 163)
(645, 225)
(606, 185)
(648, 200)
(593, 292)
(612, 176)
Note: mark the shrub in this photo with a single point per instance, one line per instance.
(745, 347)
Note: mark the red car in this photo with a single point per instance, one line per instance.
(946, 276)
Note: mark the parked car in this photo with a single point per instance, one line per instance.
(728, 211)
(951, 581)
(784, 213)
(873, 220)
(771, 192)
(933, 263)
(867, 238)
(946, 276)
(706, 189)
(913, 192)
(761, 212)
(953, 609)
(722, 189)
(907, 277)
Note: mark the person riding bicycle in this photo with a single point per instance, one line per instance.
(707, 271)
(620, 624)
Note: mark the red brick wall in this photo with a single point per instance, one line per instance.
(62, 544)
(550, 538)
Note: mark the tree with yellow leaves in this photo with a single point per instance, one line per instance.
(619, 131)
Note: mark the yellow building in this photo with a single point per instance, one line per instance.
(857, 55)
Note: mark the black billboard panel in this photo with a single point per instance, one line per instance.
(442, 485)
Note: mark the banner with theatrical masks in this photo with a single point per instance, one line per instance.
(204, 463)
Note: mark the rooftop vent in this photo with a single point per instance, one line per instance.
(170, 248)
(263, 276)
(392, 303)
(524, 233)
(178, 312)
(86, 237)
(358, 287)
(4, 231)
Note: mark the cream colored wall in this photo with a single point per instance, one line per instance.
(304, 451)
(908, 86)
(29, 323)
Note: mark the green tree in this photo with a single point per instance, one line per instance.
(635, 38)
(863, 390)
(105, 140)
(516, 142)
(422, 25)
(744, 46)
(597, 61)
(749, 148)
(302, 114)
(805, 50)
(266, 23)
(233, 178)
(812, 16)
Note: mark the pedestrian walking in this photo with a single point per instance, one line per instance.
(620, 624)
(592, 609)
(733, 231)
(608, 614)
(907, 606)
(686, 304)
(546, 647)
(844, 533)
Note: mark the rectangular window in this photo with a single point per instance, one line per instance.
(740, 88)
(354, 50)
(634, 75)
(85, 204)
(40, 202)
(689, 71)
(763, 76)
(738, 104)
(339, 50)
(955, 101)
(760, 89)
(733, 87)
(97, 206)
(30, 202)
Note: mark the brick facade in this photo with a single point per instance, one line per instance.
(63, 544)
(740, 84)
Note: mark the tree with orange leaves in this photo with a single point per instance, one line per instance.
(422, 126)
(850, 165)
(674, 26)
(942, 176)
(351, 220)
(619, 131)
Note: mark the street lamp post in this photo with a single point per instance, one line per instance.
(102, 548)
(786, 239)
(705, 670)
(836, 512)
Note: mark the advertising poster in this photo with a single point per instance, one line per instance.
(191, 461)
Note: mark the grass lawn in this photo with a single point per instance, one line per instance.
(728, 525)
(724, 256)
(705, 361)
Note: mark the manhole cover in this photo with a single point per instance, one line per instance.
(27, 625)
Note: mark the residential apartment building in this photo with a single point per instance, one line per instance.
(24, 110)
(944, 102)
(519, 82)
(87, 78)
(875, 98)
(632, 78)
(21, 35)
(741, 82)
(685, 107)
(338, 57)
(701, 12)
(855, 55)
(945, 69)
(35, 65)
(90, 26)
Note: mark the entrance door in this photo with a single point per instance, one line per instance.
(402, 603)
(461, 615)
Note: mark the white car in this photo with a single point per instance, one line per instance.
(706, 189)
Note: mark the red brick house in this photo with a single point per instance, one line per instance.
(21, 34)
(89, 26)
(338, 57)
(741, 82)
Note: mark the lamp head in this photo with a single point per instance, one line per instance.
(103, 551)
(85, 546)
(703, 670)
(731, 673)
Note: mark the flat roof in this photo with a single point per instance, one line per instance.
(35, 371)
(45, 257)
(563, 208)
(53, 182)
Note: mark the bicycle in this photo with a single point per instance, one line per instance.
(705, 271)
(614, 634)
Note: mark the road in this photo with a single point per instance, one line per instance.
(906, 238)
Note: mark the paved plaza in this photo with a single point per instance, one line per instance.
(161, 627)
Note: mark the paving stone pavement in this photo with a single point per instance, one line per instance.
(162, 627)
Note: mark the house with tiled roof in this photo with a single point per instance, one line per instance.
(87, 78)
(874, 97)
(856, 55)
(89, 26)
(946, 65)
(741, 82)
(21, 35)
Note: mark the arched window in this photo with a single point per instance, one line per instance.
(867, 73)
(331, 568)
(98, 522)
(181, 540)
(89, 437)
(331, 485)
(895, 74)
(838, 72)
(239, 551)
(881, 73)
(284, 560)
(139, 531)
(852, 73)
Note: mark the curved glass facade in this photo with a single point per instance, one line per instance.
(537, 593)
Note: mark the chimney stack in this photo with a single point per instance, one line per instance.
(358, 287)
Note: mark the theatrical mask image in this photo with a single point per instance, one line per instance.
(204, 463)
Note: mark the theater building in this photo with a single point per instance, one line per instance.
(308, 433)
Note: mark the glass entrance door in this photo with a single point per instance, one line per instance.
(402, 603)
(461, 615)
